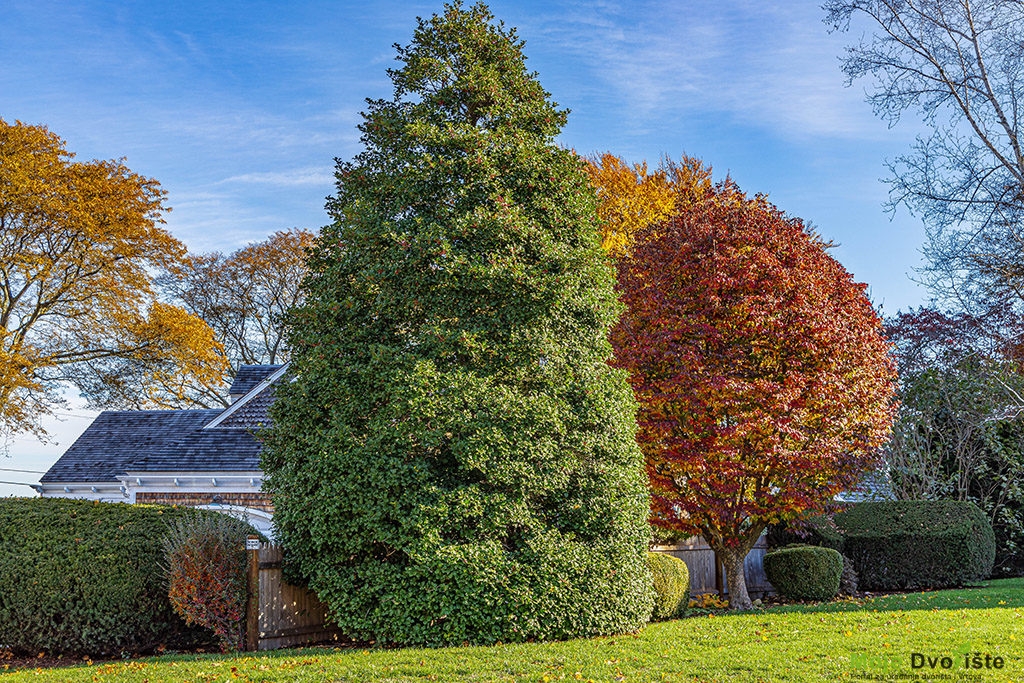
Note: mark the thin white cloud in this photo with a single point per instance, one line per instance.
(289, 178)
(762, 64)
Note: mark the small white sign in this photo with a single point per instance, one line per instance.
(252, 544)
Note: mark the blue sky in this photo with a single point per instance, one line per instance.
(239, 108)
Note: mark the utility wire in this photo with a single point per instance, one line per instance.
(8, 469)
(16, 483)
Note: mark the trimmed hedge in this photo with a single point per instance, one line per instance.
(805, 572)
(898, 545)
(78, 577)
(671, 586)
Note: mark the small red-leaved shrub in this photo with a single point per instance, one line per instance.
(205, 562)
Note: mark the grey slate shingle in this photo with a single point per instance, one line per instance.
(222, 450)
(117, 437)
(248, 376)
(119, 441)
(254, 415)
(873, 486)
(155, 441)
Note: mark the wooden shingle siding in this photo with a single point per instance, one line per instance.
(256, 501)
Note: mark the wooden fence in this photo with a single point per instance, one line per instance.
(282, 615)
(707, 575)
(279, 614)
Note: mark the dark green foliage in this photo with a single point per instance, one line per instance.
(954, 440)
(819, 530)
(848, 581)
(85, 578)
(455, 460)
(917, 543)
(804, 572)
(995, 486)
(671, 586)
(205, 563)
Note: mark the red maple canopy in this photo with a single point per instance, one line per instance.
(764, 381)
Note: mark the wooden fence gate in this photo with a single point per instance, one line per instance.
(279, 614)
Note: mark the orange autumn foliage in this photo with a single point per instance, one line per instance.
(79, 242)
(631, 198)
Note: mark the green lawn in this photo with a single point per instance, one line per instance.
(866, 640)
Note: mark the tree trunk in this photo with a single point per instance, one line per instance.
(733, 557)
(736, 577)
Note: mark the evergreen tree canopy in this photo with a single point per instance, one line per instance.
(455, 460)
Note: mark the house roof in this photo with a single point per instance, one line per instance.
(248, 376)
(873, 486)
(117, 438)
(252, 410)
(119, 441)
(253, 414)
(229, 450)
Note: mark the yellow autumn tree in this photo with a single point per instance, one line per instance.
(79, 243)
(632, 197)
(690, 179)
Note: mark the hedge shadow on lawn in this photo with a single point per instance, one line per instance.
(986, 595)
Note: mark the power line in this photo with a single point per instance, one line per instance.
(17, 483)
(8, 469)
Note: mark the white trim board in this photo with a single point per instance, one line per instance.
(256, 390)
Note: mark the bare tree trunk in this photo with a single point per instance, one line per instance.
(733, 557)
(736, 578)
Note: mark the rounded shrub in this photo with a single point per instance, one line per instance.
(80, 577)
(671, 586)
(206, 573)
(805, 572)
(897, 545)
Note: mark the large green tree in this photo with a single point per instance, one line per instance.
(455, 459)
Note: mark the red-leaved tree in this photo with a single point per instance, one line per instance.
(763, 377)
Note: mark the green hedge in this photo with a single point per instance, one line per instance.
(917, 544)
(86, 578)
(805, 572)
(671, 586)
